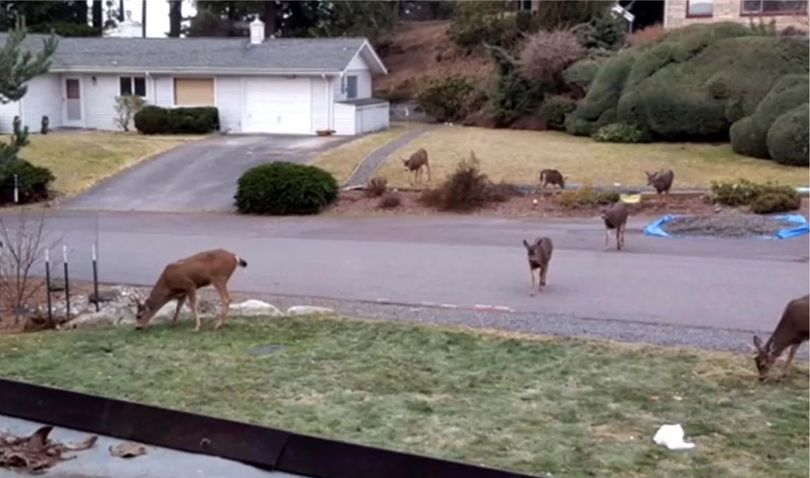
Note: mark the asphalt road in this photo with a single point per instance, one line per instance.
(198, 176)
(464, 261)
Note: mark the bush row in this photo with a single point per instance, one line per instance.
(157, 120)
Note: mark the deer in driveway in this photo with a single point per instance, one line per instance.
(539, 255)
(180, 281)
(415, 163)
(615, 217)
(791, 332)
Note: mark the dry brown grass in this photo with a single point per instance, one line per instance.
(518, 156)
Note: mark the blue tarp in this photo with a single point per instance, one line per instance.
(799, 227)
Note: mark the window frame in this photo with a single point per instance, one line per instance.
(763, 13)
(689, 13)
(349, 96)
(132, 80)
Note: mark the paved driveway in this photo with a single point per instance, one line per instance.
(199, 176)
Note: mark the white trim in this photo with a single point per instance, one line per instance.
(666, 14)
(374, 55)
(192, 71)
(80, 123)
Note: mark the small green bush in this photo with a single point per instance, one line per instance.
(157, 120)
(773, 202)
(742, 192)
(285, 188)
(586, 197)
(33, 181)
(622, 133)
(554, 109)
(603, 32)
(580, 75)
(476, 23)
(376, 187)
(788, 140)
(449, 99)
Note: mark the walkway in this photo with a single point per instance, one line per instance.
(373, 161)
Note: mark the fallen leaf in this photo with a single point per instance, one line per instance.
(127, 450)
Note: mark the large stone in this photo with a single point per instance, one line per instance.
(254, 308)
(298, 310)
(107, 316)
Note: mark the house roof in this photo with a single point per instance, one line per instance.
(208, 55)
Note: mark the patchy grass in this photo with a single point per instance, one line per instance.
(518, 157)
(81, 159)
(344, 159)
(568, 407)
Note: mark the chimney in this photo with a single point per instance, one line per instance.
(256, 31)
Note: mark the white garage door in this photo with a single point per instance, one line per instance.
(278, 105)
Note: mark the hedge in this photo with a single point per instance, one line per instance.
(554, 109)
(788, 137)
(285, 188)
(157, 120)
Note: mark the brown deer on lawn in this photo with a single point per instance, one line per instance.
(539, 258)
(180, 280)
(791, 331)
(416, 162)
(661, 180)
(615, 217)
(551, 177)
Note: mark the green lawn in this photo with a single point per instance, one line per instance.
(560, 406)
(518, 157)
(80, 159)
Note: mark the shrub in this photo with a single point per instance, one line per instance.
(476, 23)
(389, 200)
(603, 32)
(466, 189)
(586, 197)
(33, 181)
(647, 35)
(545, 55)
(580, 75)
(788, 140)
(125, 109)
(557, 14)
(622, 133)
(776, 202)
(285, 188)
(513, 96)
(749, 135)
(554, 109)
(449, 99)
(376, 187)
(742, 192)
(503, 191)
(157, 120)
(44, 127)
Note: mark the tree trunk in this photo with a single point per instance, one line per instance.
(175, 17)
(121, 15)
(98, 15)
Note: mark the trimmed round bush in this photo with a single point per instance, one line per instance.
(622, 133)
(778, 201)
(152, 120)
(285, 188)
(554, 109)
(788, 137)
(33, 181)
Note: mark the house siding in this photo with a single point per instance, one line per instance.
(7, 113)
(164, 90)
(320, 104)
(228, 99)
(44, 98)
(725, 11)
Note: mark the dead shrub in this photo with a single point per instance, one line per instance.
(389, 200)
(545, 55)
(586, 197)
(647, 36)
(376, 187)
(466, 189)
(503, 191)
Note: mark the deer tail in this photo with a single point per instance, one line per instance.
(241, 262)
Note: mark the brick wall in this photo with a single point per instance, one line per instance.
(727, 10)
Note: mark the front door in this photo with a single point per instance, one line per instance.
(73, 102)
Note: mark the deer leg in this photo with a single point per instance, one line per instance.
(543, 274)
(192, 303)
(791, 353)
(532, 288)
(222, 289)
(619, 238)
(180, 303)
(624, 226)
(427, 165)
(607, 238)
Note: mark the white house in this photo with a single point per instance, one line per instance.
(284, 85)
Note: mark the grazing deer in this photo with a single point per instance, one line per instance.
(180, 280)
(661, 180)
(551, 177)
(539, 258)
(791, 331)
(416, 162)
(615, 217)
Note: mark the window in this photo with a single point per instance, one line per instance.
(699, 8)
(194, 92)
(133, 85)
(351, 87)
(774, 7)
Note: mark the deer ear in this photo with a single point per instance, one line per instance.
(758, 343)
(525, 244)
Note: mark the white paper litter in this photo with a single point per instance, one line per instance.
(671, 436)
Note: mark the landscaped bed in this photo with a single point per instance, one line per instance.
(732, 224)
(518, 156)
(560, 406)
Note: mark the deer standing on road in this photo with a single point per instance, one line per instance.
(539, 254)
(180, 280)
(791, 331)
(615, 217)
(415, 163)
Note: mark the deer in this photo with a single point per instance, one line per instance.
(660, 180)
(539, 253)
(791, 332)
(615, 217)
(181, 279)
(415, 163)
(551, 177)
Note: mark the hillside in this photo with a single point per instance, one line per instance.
(422, 50)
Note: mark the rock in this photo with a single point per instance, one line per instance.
(298, 310)
(104, 296)
(105, 317)
(254, 308)
(57, 285)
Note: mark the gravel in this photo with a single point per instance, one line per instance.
(725, 225)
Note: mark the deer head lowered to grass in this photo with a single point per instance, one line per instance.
(415, 163)
(180, 280)
(791, 331)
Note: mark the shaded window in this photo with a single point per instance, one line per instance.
(351, 87)
(132, 85)
(699, 8)
(774, 7)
